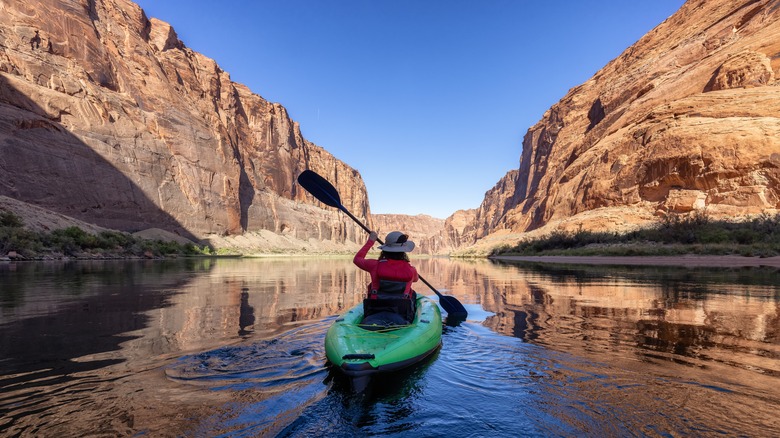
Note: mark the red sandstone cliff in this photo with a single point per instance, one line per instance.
(425, 231)
(113, 120)
(688, 118)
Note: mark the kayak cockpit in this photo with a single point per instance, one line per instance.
(384, 321)
(360, 346)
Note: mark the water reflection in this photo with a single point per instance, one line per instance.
(246, 317)
(53, 313)
(386, 407)
(234, 346)
(698, 315)
(715, 314)
(70, 333)
(283, 294)
(674, 335)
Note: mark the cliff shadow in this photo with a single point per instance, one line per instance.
(43, 163)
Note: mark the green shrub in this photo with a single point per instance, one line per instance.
(73, 241)
(10, 220)
(745, 236)
(674, 233)
(19, 240)
(114, 239)
(714, 235)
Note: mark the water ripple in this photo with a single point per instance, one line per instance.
(294, 355)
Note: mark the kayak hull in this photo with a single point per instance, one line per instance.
(357, 351)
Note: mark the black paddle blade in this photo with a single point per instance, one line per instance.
(320, 188)
(453, 307)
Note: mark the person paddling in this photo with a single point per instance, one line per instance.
(392, 275)
(324, 191)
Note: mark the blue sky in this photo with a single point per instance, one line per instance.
(428, 99)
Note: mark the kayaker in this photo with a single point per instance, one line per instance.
(392, 275)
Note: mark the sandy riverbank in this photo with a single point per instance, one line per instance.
(689, 261)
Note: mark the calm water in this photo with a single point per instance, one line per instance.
(234, 347)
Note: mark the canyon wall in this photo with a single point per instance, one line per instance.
(111, 119)
(425, 231)
(687, 119)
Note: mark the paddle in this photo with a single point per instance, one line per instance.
(321, 189)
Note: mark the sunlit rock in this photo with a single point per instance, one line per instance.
(114, 121)
(687, 119)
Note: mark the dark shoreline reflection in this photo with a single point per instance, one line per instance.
(64, 326)
(67, 310)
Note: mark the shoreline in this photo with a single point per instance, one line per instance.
(685, 261)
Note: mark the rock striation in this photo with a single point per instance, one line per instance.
(111, 119)
(687, 119)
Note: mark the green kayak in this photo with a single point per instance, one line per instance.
(359, 349)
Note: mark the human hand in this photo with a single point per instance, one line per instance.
(372, 236)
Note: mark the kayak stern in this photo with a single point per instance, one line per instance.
(358, 351)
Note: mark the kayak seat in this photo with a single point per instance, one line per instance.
(388, 306)
(389, 289)
(382, 319)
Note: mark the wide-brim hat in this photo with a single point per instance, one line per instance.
(397, 241)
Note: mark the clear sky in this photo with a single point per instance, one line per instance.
(428, 99)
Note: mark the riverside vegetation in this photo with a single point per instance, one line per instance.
(21, 243)
(672, 235)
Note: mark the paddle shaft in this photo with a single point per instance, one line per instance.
(324, 191)
(368, 230)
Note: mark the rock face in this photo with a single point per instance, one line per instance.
(459, 229)
(686, 119)
(114, 121)
(425, 231)
(436, 236)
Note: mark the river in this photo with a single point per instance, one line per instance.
(234, 347)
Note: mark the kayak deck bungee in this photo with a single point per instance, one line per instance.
(358, 350)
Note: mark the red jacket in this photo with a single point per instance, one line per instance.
(385, 269)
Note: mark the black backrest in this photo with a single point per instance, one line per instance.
(391, 289)
(403, 307)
